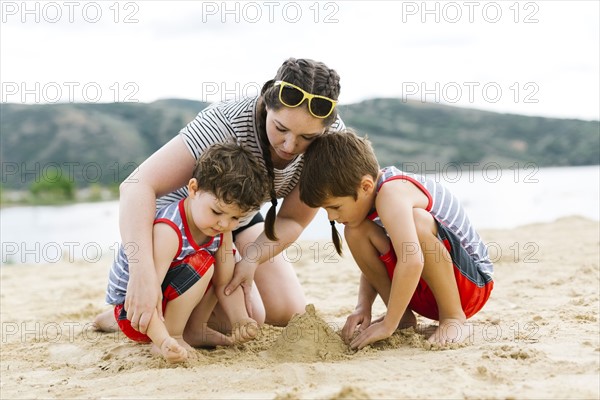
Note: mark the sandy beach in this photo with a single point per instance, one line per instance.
(537, 337)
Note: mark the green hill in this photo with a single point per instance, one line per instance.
(102, 143)
(417, 132)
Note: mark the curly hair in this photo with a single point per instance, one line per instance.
(233, 174)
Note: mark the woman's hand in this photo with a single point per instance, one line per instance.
(144, 295)
(243, 275)
(359, 320)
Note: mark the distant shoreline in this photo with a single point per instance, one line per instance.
(22, 198)
(99, 193)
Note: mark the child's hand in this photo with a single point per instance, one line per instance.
(244, 330)
(359, 320)
(375, 332)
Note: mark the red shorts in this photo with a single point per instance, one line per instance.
(179, 279)
(474, 287)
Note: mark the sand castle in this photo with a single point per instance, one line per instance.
(308, 338)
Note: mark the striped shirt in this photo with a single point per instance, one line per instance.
(174, 216)
(447, 210)
(235, 119)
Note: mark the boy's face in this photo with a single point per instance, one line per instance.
(346, 210)
(212, 216)
(349, 211)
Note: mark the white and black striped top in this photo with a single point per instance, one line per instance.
(236, 119)
(446, 209)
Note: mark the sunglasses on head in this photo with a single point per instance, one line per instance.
(292, 96)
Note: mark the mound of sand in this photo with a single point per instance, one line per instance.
(308, 338)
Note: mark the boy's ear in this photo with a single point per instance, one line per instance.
(367, 184)
(192, 186)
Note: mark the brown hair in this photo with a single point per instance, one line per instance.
(312, 76)
(334, 165)
(233, 174)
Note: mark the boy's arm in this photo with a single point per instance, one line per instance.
(395, 203)
(165, 248)
(233, 304)
(361, 316)
(366, 294)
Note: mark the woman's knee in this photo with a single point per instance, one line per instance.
(280, 290)
(258, 308)
(279, 308)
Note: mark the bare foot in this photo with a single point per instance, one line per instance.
(105, 321)
(192, 353)
(171, 350)
(183, 343)
(208, 337)
(451, 331)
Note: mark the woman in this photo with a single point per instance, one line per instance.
(293, 109)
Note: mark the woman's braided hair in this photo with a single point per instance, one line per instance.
(312, 76)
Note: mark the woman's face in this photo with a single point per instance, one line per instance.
(290, 131)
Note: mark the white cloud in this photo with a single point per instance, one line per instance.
(381, 49)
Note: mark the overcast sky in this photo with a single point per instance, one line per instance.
(525, 57)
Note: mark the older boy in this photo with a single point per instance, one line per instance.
(442, 270)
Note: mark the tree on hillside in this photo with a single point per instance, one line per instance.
(52, 189)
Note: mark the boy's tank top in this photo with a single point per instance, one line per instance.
(174, 216)
(446, 209)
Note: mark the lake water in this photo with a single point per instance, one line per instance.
(493, 199)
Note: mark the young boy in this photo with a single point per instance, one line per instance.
(410, 237)
(192, 245)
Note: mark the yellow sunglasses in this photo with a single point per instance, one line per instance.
(292, 96)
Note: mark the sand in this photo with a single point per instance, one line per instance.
(538, 336)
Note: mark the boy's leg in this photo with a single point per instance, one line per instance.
(367, 243)
(106, 322)
(203, 329)
(181, 300)
(163, 343)
(179, 310)
(438, 273)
